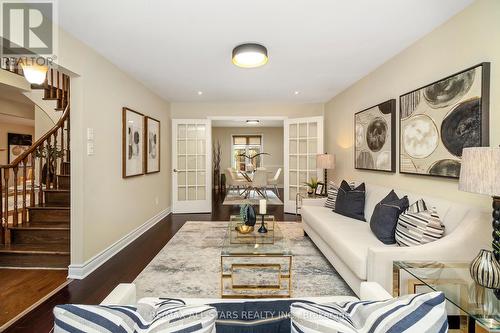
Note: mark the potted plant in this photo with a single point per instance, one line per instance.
(312, 185)
(52, 153)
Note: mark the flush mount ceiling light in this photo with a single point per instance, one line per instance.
(249, 55)
(253, 122)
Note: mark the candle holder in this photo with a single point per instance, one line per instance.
(262, 228)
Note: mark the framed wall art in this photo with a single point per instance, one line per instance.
(132, 143)
(438, 120)
(152, 145)
(375, 137)
(17, 144)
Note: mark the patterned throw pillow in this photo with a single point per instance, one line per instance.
(419, 225)
(332, 191)
(409, 314)
(150, 315)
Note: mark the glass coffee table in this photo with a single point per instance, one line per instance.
(256, 265)
(471, 308)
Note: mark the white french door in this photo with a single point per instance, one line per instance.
(191, 165)
(303, 140)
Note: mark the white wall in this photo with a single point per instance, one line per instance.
(272, 139)
(469, 38)
(106, 207)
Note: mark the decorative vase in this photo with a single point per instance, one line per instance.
(485, 270)
(247, 213)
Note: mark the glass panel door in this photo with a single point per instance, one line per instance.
(303, 141)
(191, 161)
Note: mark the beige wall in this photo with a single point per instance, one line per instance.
(272, 139)
(203, 110)
(467, 39)
(106, 207)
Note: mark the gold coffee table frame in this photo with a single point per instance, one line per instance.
(276, 256)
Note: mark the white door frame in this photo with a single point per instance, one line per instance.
(192, 206)
(289, 205)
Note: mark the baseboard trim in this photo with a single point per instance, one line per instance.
(80, 271)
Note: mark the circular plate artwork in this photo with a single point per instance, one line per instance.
(449, 91)
(376, 134)
(446, 167)
(409, 103)
(420, 136)
(383, 161)
(365, 160)
(462, 127)
(360, 135)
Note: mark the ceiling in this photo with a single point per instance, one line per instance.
(316, 47)
(243, 123)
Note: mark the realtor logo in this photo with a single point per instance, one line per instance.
(27, 28)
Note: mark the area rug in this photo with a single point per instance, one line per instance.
(233, 198)
(189, 265)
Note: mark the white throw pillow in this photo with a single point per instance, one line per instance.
(419, 313)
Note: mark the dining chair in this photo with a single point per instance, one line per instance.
(259, 183)
(234, 182)
(274, 181)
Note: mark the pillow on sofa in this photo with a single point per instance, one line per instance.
(351, 201)
(409, 314)
(254, 316)
(150, 315)
(385, 217)
(419, 225)
(332, 194)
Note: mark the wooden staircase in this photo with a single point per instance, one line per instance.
(35, 212)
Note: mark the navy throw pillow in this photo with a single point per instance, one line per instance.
(385, 217)
(254, 316)
(351, 201)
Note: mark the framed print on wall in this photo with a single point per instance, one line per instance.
(152, 145)
(132, 143)
(438, 120)
(374, 137)
(18, 144)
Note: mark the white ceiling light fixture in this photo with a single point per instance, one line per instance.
(200, 93)
(296, 92)
(250, 55)
(253, 122)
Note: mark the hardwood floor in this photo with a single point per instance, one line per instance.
(125, 266)
(22, 288)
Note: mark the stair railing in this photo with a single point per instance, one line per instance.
(38, 166)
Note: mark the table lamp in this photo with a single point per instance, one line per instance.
(480, 173)
(325, 161)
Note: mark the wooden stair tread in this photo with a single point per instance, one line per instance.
(53, 248)
(41, 226)
(50, 206)
(57, 190)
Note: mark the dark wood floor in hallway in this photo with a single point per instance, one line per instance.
(125, 266)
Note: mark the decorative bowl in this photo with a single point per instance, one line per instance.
(244, 229)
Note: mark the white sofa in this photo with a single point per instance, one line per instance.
(126, 294)
(359, 256)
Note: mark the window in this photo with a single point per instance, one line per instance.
(249, 145)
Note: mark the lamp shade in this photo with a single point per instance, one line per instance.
(325, 161)
(480, 171)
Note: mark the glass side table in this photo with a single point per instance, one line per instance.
(471, 308)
